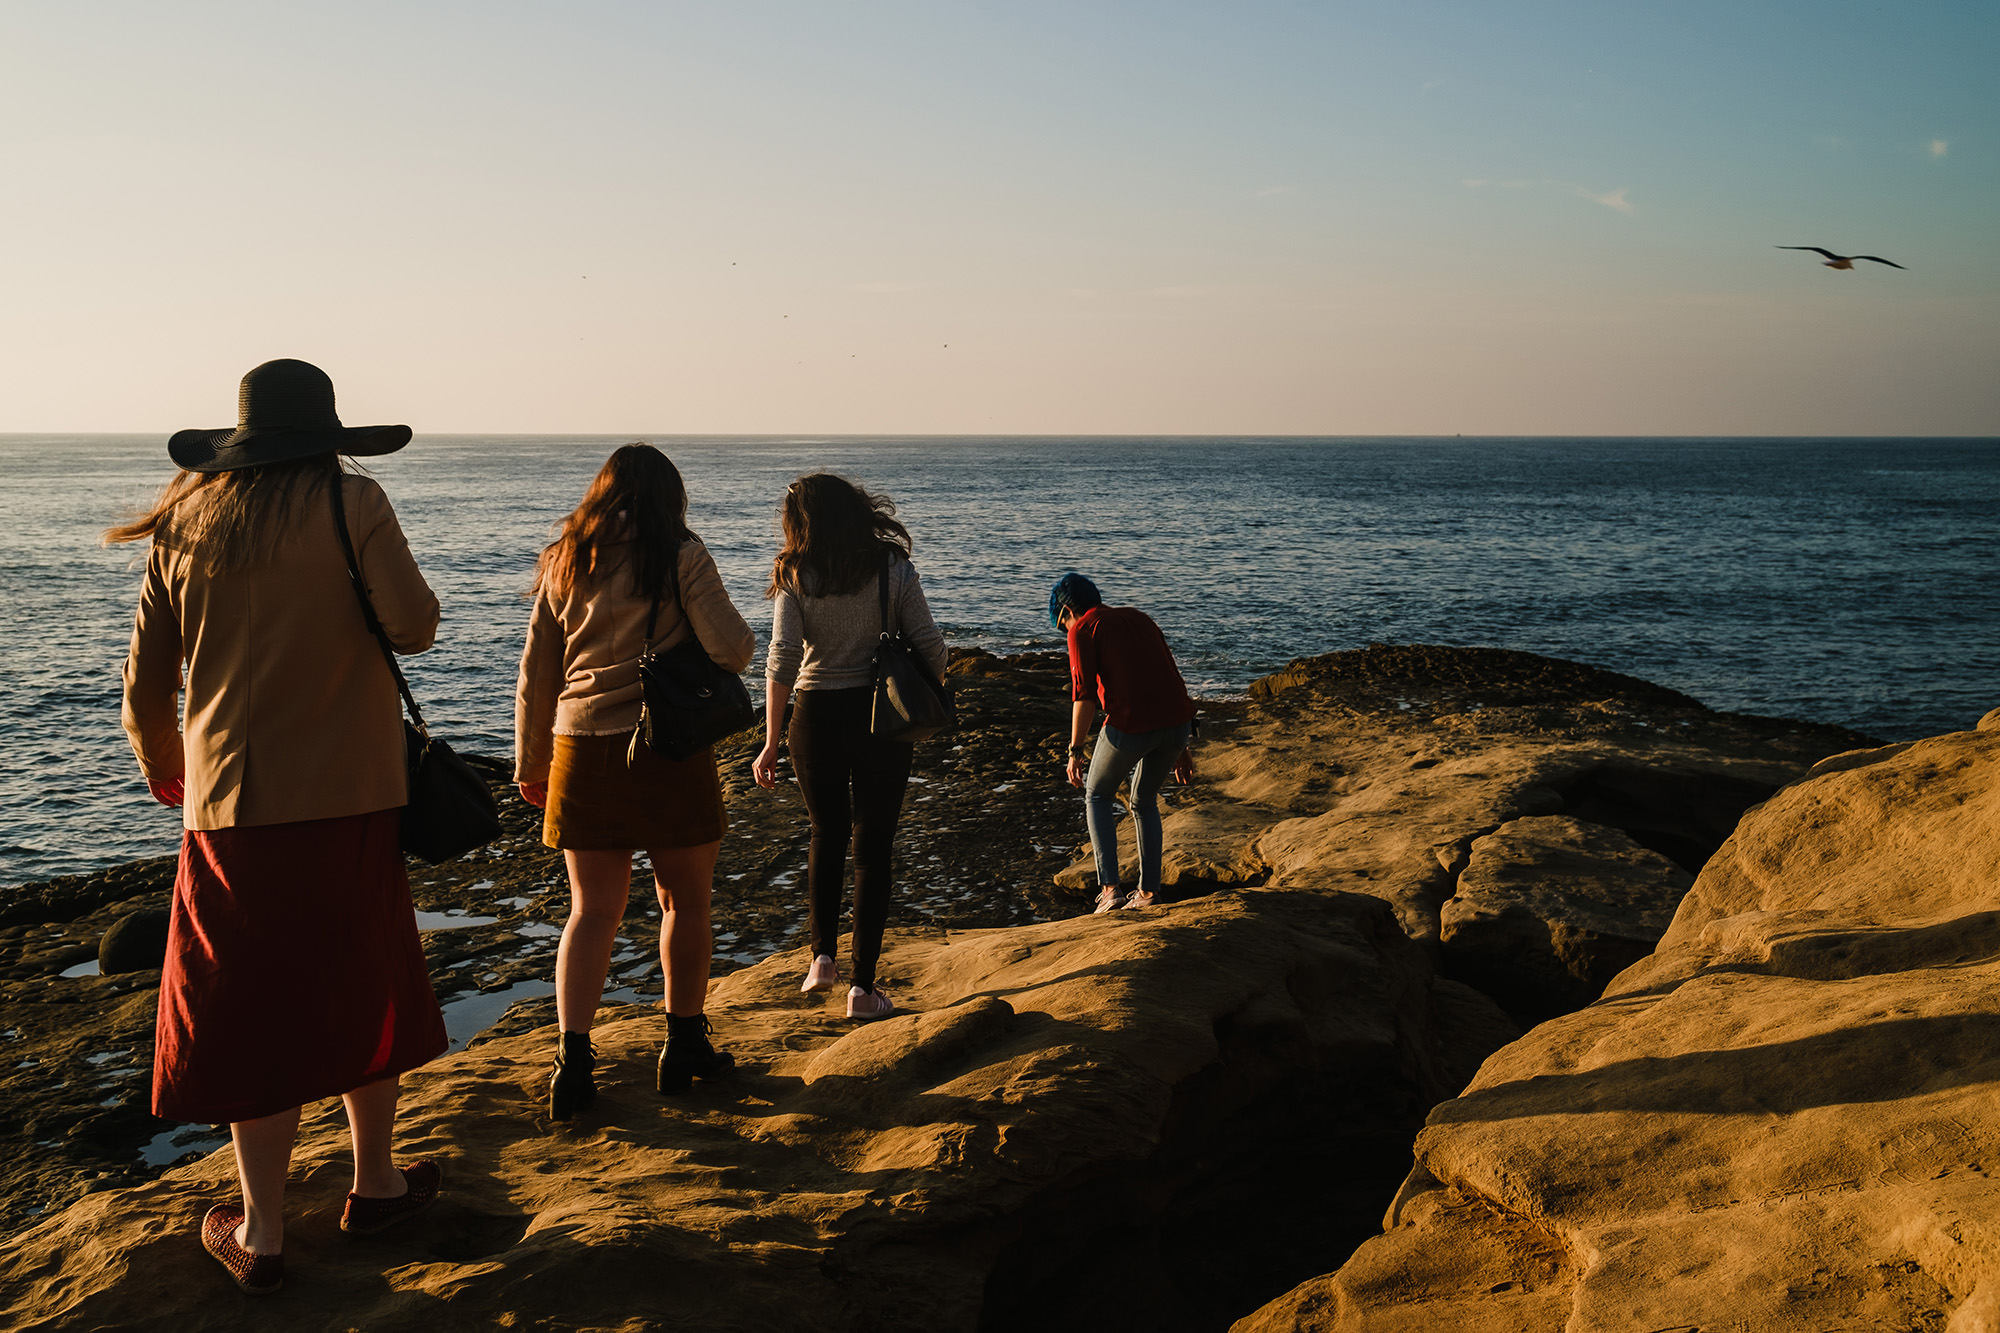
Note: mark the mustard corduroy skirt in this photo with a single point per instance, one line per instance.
(598, 801)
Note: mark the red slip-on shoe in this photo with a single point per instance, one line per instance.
(255, 1274)
(364, 1216)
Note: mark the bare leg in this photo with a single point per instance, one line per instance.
(599, 883)
(371, 1120)
(684, 878)
(263, 1159)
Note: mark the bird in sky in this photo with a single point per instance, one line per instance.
(1839, 261)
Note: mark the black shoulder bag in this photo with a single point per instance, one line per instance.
(451, 811)
(688, 703)
(910, 703)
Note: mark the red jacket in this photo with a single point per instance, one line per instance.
(1118, 657)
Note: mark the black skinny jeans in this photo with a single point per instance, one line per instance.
(853, 787)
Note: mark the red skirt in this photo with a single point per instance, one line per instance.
(293, 971)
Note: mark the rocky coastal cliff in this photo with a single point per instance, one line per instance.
(1395, 860)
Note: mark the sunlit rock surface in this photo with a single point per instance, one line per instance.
(1784, 1119)
(1161, 1119)
(1079, 1114)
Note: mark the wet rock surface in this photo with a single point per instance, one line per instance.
(987, 820)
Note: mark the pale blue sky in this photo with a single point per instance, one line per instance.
(1168, 218)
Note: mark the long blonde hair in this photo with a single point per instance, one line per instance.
(229, 520)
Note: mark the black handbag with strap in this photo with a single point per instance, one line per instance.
(687, 702)
(451, 811)
(910, 704)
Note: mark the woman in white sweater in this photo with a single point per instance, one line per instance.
(841, 545)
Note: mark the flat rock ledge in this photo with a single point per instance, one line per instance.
(1784, 1119)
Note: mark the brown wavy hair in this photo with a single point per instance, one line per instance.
(229, 520)
(638, 497)
(836, 534)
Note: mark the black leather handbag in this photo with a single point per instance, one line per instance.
(451, 810)
(688, 703)
(910, 704)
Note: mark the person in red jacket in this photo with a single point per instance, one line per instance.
(1119, 661)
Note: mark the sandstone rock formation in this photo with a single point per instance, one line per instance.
(1784, 1119)
(1415, 774)
(1068, 1126)
(1550, 907)
(1161, 1118)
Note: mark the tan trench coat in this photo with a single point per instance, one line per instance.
(291, 711)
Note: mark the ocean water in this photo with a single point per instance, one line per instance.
(1846, 581)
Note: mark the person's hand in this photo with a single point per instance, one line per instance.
(170, 792)
(764, 767)
(536, 794)
(1076, 770)
(1184, 767)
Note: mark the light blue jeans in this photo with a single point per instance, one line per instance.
(1148, 756)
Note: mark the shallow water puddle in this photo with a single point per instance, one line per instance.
(170, 1145)
(469, 1015)
(452, 918)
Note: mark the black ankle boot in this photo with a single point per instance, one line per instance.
(688, 1055)
(571, 1087)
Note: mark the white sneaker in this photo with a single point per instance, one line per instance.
(868, 1004)
(823, 976)
(1109, 900)
(1138, 898)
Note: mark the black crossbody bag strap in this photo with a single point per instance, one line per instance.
(882, 592)
(368, 608)
(449, 810)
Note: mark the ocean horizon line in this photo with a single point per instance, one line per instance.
(816, 437)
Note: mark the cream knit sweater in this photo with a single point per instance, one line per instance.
(828, 643)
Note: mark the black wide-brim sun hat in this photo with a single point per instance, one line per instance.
(284, 410)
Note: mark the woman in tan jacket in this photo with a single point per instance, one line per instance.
(624, 574)
(293, 969)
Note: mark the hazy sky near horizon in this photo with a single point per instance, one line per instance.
(1521, 217)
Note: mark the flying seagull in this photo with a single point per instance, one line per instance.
(1838, 261)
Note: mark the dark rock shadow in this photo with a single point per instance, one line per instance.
(1873, 1062)
(1869, 951)
(1682, 814)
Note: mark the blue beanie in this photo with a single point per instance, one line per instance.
(1074, 591)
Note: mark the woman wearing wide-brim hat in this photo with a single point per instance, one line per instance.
(293, 969)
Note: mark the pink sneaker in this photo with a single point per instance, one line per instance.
(823, 976)
(866, 1004)
(1138, 898)
(1109, 900)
